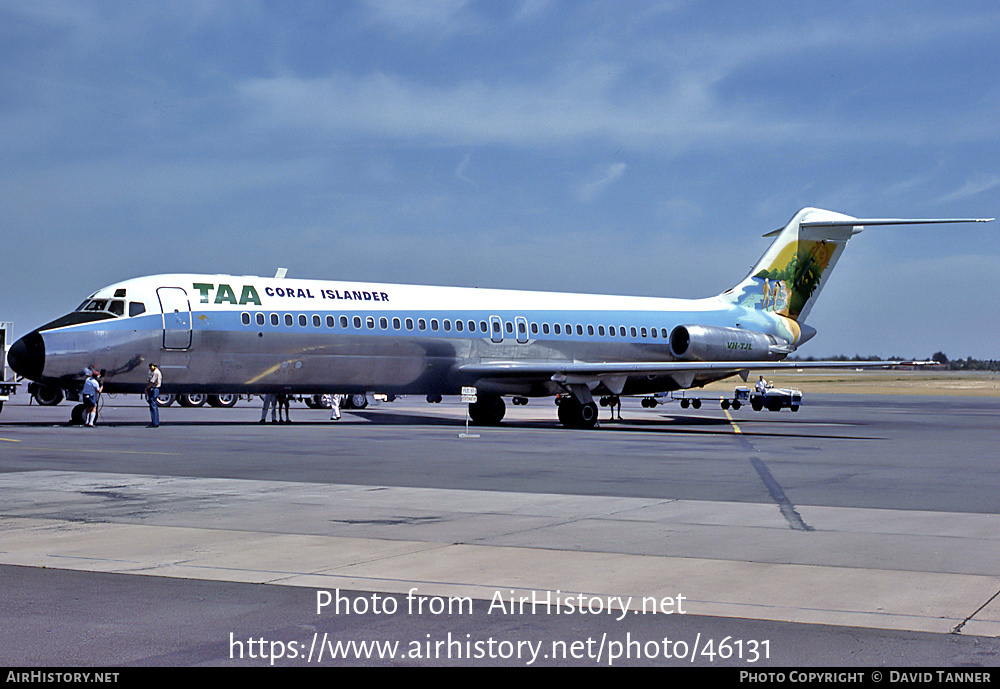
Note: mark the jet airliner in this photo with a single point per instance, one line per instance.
(231, 334)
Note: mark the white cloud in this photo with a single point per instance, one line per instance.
(971, 188)
(599, 181)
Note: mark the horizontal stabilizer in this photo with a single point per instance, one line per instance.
(871, 222)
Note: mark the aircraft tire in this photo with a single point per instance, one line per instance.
(489, 410)
(165, 400)
(225, 401)
(195, 399)
(359, 401)
(46, 396)
(572, 414)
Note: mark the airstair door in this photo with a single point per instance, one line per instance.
(176, 309)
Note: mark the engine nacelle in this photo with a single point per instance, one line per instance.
(714, 343)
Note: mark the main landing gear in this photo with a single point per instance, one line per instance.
(576, 414)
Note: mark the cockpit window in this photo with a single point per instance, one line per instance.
(136, 308)
(116, 307)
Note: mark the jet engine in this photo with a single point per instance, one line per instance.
(714, 343)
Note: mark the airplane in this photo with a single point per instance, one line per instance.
(229, 334)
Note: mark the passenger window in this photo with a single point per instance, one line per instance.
(395, 324)
(260, 319)
(545, 328)
(579, 329)
(557, 329)
(343, 321)
(509, 327)
(136, 308)
(643, 332)
(447, 325)
(652, 331)
(600, 330)
(317, 321)
(330, 321)
(534, 328)
(459, 326)
(383, 323)
(632, 330)
(421, 324)
(357, 322)
(434, 324)
(482, 327)
(409, 324)
(621, 330)
(496, 326)
(245, 317)
(370, 322)
(274, 319)
(303, 321)
(590, 330)
(663, 332)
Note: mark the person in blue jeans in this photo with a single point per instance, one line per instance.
(152, 391)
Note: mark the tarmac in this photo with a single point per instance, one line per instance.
(859, 531)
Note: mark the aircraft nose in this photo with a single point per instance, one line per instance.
(27, 356)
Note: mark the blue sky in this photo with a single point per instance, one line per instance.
(621, 148)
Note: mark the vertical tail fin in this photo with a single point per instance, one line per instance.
(789, 276)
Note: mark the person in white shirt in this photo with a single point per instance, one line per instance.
(152, 391)
(92, 389)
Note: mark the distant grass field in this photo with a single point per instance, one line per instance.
(877, 382)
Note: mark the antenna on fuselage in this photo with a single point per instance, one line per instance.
(281, 273)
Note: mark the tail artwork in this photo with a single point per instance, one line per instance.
(785, 282)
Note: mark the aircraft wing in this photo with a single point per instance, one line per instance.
(554, 369)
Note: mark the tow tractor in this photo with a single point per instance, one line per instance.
(772, 399)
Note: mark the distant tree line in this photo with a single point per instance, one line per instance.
(967, 364)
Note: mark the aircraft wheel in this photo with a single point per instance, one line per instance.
(165, 400)
(587, 415)
(359, 401)
(572, 414)
(46, 396)
(196, 399)
(489, 410)
(223, 400)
